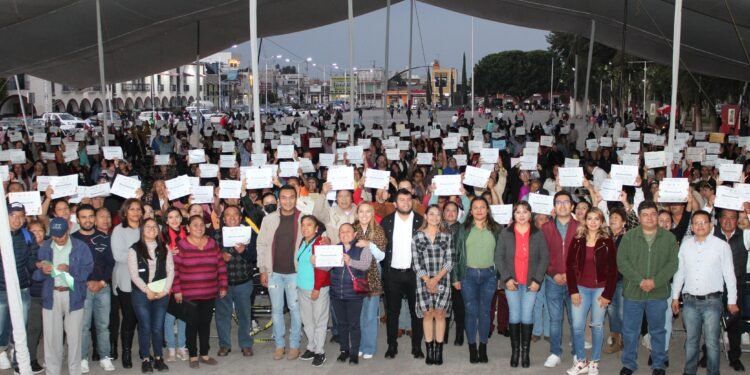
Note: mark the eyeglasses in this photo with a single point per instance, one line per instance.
(562, 203)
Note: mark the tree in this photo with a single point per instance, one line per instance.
(464, 90)
(516, 73)
(429, 88)
(289, 69)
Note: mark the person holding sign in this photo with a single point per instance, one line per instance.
(172, 233)
(152, 271)
(240, 259)
(522, 255)
(345, 298)
(592, 279)
(313, 285)
(475, 275)
(432, 251)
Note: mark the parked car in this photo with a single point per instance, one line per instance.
(66, 121)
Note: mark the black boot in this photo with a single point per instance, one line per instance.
(430, 357)
(473, 357)
(113, 348)
(459, 338)
(515, 343)
(127, 343)
(438, 354)
(526, 344)
(483, 353)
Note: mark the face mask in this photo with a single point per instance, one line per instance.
(269, 208)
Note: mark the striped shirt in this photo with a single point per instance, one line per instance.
(199, 274)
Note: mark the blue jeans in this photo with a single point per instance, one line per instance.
(5, 324)
(631, 331)
(557, 299)
(702, 317)
(150, 315)
(580, 314)
(477, 289)
(541, 312)
(520, 305)
(169, 321)
(96, 305)
(237, 299)
(614, 310)
(280, 285)
(368, 321)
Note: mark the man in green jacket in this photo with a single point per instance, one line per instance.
(647, 260)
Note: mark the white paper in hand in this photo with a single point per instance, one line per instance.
(125, 186)
(730, 172)
(502, 213)
(541, 204)
(178, 187)
(230, 189)
(673, 190)
(476, 177)
(571, 177)
(447, 185)
(610, 190)
(377, 179)
(341, 178)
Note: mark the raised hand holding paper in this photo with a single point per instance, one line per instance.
(570, 177)
(447, 184)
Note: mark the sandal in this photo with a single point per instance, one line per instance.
(194, 363)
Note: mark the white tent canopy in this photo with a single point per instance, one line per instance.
(56, 39)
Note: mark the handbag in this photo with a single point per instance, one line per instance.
(359, 284)
(374, 281)
(184, 311)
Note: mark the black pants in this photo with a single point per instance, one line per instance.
(199, 327)
(735, 330)
(457, 301)
(348, 312)
(129, 321)
(114, 318)
(397, 285)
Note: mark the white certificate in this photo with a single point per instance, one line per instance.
(99, 190)
(68, 156)
(605, 141)
(64, 186)
(92, 150)
(229, 189)
(258, 159)
(649, 138)
(447, 184)
(673, 190)
(460, 159)
(403, 145)
(393, 154)
(655, 159)
(475, 147)
(341, 178)
(528, 162)
(288, 168)
(257, 178)
(242, 134)
(502, 213)
(450, 143)
(592, 144)
(489, 155)
(40, 138)
(626, 174)
(424, 158)
(196, 156)
(541, 204)
(546, 140)
(231, 236)
(570, 177)
(227, 147)
(202, 194)
(634, 135)
(730, 172)
(476, 177)
(327, 160)
(125, 186)
(226, 161)
(315, 143)
(354, 154)
(209, 170)
(729, 198)
(31, 201)
(329, 256)
(610, 190)
(178, 187)
(572, 163)
(306, 165)
(161, 159)
(112, 152)
(633, 147)
(713, 148)
(377, 179)
(630, 159)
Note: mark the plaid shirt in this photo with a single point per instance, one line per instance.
(240, 267)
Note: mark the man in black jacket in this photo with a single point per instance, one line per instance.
(399, 279)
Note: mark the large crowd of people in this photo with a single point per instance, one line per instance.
(156, 227)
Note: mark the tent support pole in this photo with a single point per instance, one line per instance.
(351, 71)
(20, 102)
(386, 78)
(408, 75)
(256, 84)
(621, 112)
(472, 67)
(676, 36)
(586, 106)
(102, 82)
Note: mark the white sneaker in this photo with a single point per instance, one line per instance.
(367, 356)
(360, 354)
(4, 361)
(182, 354)
(106, 364)
(746, 338)
(593, 368)
(84, 366)
(580, 367)
(586, 345)
(552, 361)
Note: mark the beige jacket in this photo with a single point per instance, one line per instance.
(332, 217)
(264, 245)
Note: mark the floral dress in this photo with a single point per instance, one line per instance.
(429, 258)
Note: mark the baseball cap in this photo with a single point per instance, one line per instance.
(58, 227)
(15, 206)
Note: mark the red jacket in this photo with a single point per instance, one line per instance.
(558, 248)
(605, 260)
(322, 278)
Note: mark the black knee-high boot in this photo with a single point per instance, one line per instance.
(515, 343)
(526, 344)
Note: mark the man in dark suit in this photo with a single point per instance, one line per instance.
(399, 279)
